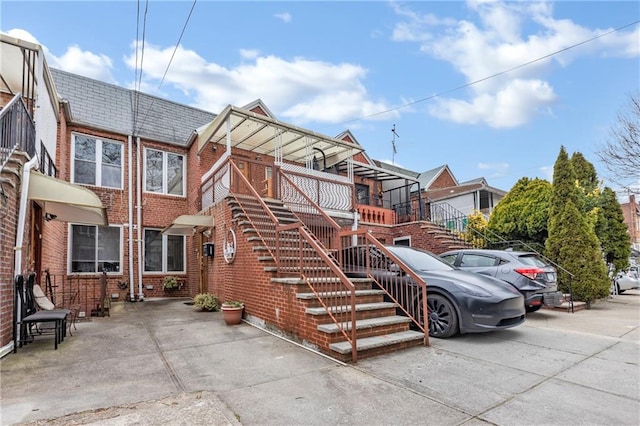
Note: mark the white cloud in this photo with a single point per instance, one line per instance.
(511, 106)
(499, 40)
(284, 17)
(495, 170)
(249, 53)
(300, 90)
(74, 60)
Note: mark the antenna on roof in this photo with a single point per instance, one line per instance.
(393, 144)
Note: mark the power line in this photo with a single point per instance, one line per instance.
(493, 75)
(184, 27)
(138, 74)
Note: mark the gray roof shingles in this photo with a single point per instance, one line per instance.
(109, 107)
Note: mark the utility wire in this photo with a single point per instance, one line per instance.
(138, 73)
(184, 27)
(493, 75)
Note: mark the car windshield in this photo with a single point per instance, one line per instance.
(533, 260)
(419, 260)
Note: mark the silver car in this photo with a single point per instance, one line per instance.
(527, 271)
(626, 280)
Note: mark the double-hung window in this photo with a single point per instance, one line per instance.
(95, 248)
(163, 253)
(164, 172)
(97, 161)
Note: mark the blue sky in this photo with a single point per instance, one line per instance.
(367, 66)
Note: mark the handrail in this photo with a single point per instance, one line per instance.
(17, 130)
(315, 277)
(526, 245)
(404, 295)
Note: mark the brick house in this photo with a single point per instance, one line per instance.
(631, 212)
(236, 203)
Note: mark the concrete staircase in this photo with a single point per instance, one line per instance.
(379, 329)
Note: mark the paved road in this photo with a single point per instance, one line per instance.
(159, 362)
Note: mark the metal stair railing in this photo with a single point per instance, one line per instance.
(322, 274)
(299, 252)
(17, 131)
(457, 222)
(498, 240)
(403, 286)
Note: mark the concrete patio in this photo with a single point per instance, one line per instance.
(160, 361)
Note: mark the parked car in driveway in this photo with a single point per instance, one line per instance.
(626, 280)
(457, 301)
(534, 277)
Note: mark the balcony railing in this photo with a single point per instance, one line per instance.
(17, 131)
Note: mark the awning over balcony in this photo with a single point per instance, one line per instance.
(65, 201)
(186, 224)
(266, 136)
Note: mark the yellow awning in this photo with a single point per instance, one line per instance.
(65, 201)
(186, 224)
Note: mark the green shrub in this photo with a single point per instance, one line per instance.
(170, 282)
(206, 302)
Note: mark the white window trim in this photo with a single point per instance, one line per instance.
(165, 179)
(164, 254)
(70, 252)
(98, 183)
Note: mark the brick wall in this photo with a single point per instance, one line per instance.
(9, 210)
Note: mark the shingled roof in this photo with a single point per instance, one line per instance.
(108, 107)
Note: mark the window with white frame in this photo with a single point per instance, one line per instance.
(163, 253)
(164, 172)
(95, 248)
(97, 161)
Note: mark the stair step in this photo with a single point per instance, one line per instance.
(365, 324)
(296, 280)
(369, 343)
(312, 296)
(359, 308)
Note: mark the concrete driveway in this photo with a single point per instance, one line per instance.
(159, 362)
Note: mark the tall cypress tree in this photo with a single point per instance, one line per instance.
(562, 192)
(580, 254)
(612, 231)
(572, 242)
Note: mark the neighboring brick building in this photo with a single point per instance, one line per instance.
(631, 212)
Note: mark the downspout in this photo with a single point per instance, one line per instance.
(139, 219)
(130, 182)
(22, 216)
(22, 213)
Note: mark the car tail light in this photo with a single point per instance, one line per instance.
(530, 273)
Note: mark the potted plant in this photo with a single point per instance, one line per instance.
(170, 282)
(206, 302)
(232, 312)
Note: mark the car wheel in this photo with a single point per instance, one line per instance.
(618, 291)
(530, 309)
(443, 320)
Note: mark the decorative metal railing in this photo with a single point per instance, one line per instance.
(17, 130)
(328, 191)
(361, 251)
(317, 221)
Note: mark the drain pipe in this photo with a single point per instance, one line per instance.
(22, 214)
(130, 218)
(139, 218)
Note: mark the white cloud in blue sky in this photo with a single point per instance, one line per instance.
(376, 65)
(284, 17)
